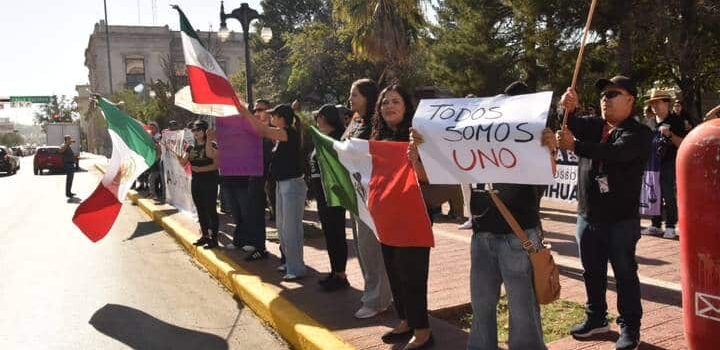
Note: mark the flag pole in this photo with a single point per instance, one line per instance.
(580, 54)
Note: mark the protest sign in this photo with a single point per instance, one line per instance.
(565, 183)
(177, 178)
(485, 140)
(241, 152)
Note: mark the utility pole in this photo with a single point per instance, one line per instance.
(107, 43)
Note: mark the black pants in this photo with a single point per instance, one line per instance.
(333, 225)
(247, 200)
(204, 188)
(69, 176)
(600, 242)
(407, 269)
(668, 189)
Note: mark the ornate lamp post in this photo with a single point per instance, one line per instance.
(244, 14)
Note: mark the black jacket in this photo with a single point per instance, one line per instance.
(622, 159)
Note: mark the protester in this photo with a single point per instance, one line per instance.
(68, 157)
(246, 200)
(669, 132)
(332, 219)
(154, 178)
(613, 151)
(376, 293)
(204, 184)
(677, 109)
(287, 169)
(497, 256)
(407, 265)
(260, 112)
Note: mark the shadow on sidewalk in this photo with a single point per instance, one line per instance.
(143, 229)
(648, 292)
(139, 330)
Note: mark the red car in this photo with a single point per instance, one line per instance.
(47, 157)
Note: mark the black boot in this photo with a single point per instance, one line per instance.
(212, 241)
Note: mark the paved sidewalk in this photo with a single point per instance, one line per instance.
(448, 288)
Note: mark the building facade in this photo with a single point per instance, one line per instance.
(143, 54)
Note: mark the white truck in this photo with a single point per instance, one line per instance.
(56, 136)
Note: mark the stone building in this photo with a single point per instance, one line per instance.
(142, 54)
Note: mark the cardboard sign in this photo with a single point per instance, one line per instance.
(485, 140)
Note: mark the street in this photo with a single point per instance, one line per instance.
(134, 289)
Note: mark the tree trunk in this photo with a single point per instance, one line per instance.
(688, 58)
(625, 53)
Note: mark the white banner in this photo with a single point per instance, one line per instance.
(564, 187)
(485, 140)
(177, 178)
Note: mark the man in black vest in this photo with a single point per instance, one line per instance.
(613, 150)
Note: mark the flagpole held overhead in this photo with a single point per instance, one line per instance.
(581, 53)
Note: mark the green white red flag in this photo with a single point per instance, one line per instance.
(208, 83)
(133, 152)
(376, 182)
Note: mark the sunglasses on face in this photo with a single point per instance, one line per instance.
(610, 94)
(196, 129)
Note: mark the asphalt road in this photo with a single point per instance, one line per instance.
(134, 289)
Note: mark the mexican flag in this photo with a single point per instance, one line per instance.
(133, 152)
(376, 182)
(208, 83)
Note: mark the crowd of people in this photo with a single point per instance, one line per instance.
(613, 146)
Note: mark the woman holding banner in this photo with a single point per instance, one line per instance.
(407, 264)
(287, 167)
(204, 184)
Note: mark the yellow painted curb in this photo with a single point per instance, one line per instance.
(298, 328)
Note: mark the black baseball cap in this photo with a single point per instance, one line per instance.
(284, 111)
(620, 81)
(328, 111)
(517, 88)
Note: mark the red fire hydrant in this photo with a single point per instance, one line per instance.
(698, 187)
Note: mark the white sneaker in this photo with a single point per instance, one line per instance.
(231, 246)
(652, 231)
(669, 233)
(290, 277)
(248, 248)
(366, 312)
(467, 225)
(281, 268)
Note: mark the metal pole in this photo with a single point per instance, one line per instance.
(248, 76)
(107, 43)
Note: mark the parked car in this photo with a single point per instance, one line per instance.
(9, 163)
(47, 157)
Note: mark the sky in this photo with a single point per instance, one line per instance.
(42, 46)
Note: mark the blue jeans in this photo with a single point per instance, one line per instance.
(599, 243)
(290, 209)
(246, 201)
(498, 259)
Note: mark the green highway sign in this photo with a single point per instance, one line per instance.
(31, 99)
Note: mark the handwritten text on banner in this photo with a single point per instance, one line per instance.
(485, 140)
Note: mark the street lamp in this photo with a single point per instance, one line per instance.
(244, 14)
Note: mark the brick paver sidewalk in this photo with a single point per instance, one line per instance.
(448, 288)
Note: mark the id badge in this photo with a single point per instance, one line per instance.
(603, 183)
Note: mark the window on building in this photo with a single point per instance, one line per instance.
(134, 71)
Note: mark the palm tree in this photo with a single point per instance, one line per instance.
(383, 31)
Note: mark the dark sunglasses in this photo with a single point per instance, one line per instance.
(196, 129)
(610, 94)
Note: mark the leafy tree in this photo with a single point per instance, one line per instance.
(11, 139)
(58, 110)
(384, 31)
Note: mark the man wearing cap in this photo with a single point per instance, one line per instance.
(68, 157)
(669, 131)
(613, 150)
